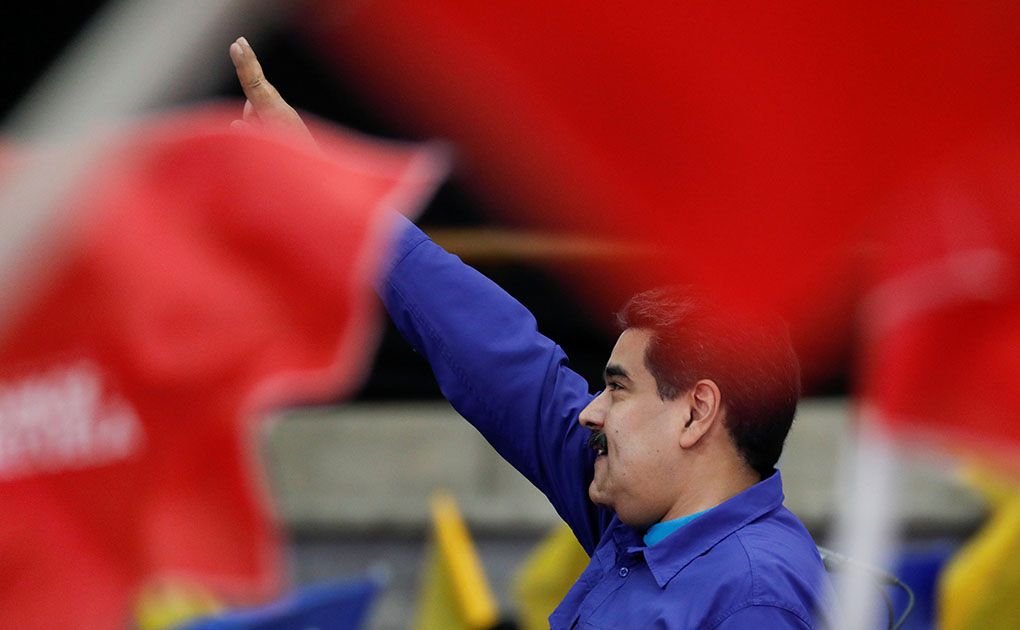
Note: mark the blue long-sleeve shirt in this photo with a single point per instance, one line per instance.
(746, 563)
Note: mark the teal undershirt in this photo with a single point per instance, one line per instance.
(657, 532)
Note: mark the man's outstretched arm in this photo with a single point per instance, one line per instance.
(509, 381)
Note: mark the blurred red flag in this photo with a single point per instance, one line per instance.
(203, 276)
(757, 147)
(749, 143)
(942, 320)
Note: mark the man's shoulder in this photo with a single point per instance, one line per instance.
(781, 555)
(776, 536)
(765, 550)
(771, 562)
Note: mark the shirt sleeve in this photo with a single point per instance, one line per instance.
(757, 617)
(509, 381)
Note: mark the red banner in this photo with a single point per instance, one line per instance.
(942, 319)
(205, 277)
(756, 149)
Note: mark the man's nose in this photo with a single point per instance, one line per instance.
(592, 416)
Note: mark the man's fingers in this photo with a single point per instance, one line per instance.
(249, 114)
(242, 126)
(264, 107)
(260, 93)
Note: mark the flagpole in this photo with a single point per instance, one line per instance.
(866, 524)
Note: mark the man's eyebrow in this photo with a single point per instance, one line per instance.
(614, 370)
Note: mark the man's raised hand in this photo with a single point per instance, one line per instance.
(265, 108)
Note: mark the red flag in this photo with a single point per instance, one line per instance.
(204, 277)
(749, 142)
(942, 321)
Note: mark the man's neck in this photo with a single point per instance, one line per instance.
(711, 486)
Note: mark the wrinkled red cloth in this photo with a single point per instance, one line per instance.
(942, 320)
(204, 277)
(753, 149)
(747, 145)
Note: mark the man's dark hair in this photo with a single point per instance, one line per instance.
(750, 359)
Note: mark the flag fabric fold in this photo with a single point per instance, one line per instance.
(203, 277)
(941, 320)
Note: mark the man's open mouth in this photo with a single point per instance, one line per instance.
(597, 442)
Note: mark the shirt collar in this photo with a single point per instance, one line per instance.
(658, 532)
(672, 554)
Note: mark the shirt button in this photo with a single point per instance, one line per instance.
(624, 571)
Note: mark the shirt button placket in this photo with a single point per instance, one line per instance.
(624, 571)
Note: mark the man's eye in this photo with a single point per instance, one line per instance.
(613, 386)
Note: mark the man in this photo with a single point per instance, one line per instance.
(666, 477)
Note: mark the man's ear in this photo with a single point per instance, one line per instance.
(705, 411)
